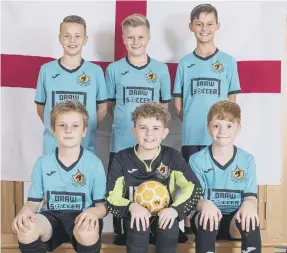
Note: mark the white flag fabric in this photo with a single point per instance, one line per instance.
(30, 38)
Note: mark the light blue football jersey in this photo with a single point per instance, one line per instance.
(225, 185)
(85, 84)
(201, 82)
(130, 86)
(77, 187)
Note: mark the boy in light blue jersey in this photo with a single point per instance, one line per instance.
(134, 80)
(228, 176)
(72, 182)
(71, 77)
(204, 77)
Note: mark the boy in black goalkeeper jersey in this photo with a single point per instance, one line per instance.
(149, 160)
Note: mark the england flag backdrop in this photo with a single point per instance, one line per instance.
(253, 32)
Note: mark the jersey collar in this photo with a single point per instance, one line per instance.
(205, 58)
(136, 67)
(72, 165)
(223, 167)
(71, 70)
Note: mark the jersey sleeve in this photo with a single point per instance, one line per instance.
(251, 181)
(116, 203)
(101, 87)
(198, 172)
(178, 83)
(232, 78)
(36, 190)
(99, 184)
(111, 85)
(40, 97)
(191, 191)
(165, 86)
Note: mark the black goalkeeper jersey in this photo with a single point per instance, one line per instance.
(168, 167)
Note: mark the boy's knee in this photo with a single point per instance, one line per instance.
(86, 237)
(244, 233)
(30, 235)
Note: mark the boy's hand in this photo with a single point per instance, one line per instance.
(86, 220)
(139, 213)
(246, 214)
(210, 213)
(167, 215)
(22, 222)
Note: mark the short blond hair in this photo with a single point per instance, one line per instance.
(151, 110)
(225, 110)
(135, 20)
(69, 105)
(74, 19)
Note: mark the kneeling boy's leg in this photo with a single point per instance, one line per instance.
(205, 239)
(251, 241)
(40, 231)
(166, 239)
(88, 241)
(137, 241)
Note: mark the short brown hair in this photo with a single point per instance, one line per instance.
(74, 19)
(225, 110)
(151, 110)
(203, 8)
(136, 20)
(69, 105)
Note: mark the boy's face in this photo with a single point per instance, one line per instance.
(223, 132)
(149, 133)
(205, 27)
(136, 40)
(69, 129)
(72, 38)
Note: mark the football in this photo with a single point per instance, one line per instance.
(152, 195)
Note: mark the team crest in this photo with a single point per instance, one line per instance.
(79, 179)
(163, 171)
(84, 80)
(238, 174)
(151, 77)
(217, 67)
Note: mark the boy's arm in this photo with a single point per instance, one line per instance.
(178, 92)
(233, 81)
(40, 98)
(99, 191)
(191, 191)
(165, 84)
(101, 96)
(40, 111)
(116, 203)
(111, 90)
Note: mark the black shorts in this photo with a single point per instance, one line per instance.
(62, 223)
(223, 231)
(187, 151)
(112, 154)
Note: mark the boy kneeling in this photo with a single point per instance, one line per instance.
(228, 176)
(72, 182)
(149, 160)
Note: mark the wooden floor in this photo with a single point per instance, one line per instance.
(11, 246)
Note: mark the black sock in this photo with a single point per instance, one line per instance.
(205, 239)
(95, 248)
(33, 247)
(251, 241)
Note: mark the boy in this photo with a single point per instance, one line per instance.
(132, 81)
(228, 176)
(149, 160)
(71, 77)
(72, 181)
(203, 77)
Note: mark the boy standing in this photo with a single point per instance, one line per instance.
(204, 77)
(132, 81)
(149, 160)
(71, 77)
(72, 181)
(228, 177)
